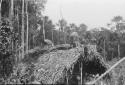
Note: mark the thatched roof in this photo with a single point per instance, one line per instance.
(50, 67)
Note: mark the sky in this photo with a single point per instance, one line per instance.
(93, 13)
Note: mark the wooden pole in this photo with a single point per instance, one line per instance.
(81, 74)
(22, 29)
(67, 78)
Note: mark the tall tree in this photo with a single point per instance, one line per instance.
(62, 24)
(73, 26)
(82, 30)
(27, 26)
(83, 27)
(0, 9)
(22, 29)
(11, 18)
(117, 20)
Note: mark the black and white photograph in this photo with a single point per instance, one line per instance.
(62, 42)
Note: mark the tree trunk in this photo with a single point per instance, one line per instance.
(104, 49)
(0, 9)
(18, 59)
(11, 11)
(22, 29)
(112, 55)
(118, 50)
(52, 37)
(59, 36)
(11, 17)
(27, 27)
(43, 30)
(64, 38)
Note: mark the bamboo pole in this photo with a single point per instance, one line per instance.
(22, 29)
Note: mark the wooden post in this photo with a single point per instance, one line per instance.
(81, 74)
(67, 79)
(22, 29)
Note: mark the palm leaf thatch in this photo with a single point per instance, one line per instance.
(51, 67)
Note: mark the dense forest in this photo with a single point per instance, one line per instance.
(23, 27)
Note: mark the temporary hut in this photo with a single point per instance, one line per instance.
(63, 66)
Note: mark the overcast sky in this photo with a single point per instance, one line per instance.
(94, 13)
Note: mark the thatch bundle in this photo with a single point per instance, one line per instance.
(53, 67)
